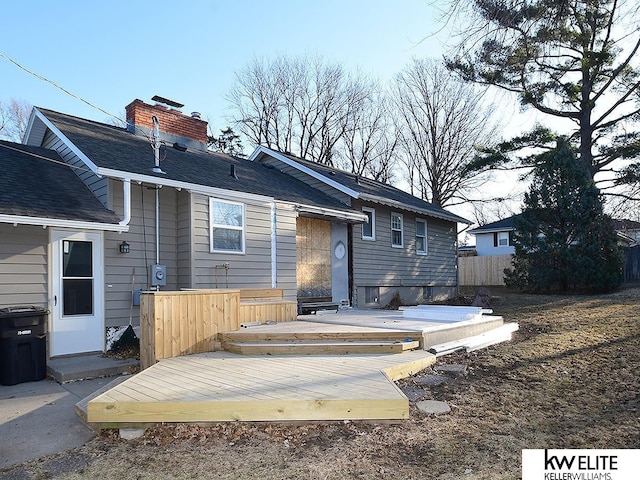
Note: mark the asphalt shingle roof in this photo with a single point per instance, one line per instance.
(378, 191)
(34, 184)
(500, 225)
(116, 148)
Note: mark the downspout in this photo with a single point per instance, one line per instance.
(126, 194)
(274, 247)
(157, 224)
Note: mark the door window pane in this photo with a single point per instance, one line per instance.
(77, 259)
(77, 277)
(77, 296)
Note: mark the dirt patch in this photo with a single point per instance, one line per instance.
(569, 379)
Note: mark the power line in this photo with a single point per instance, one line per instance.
(52, 160)
(56, 85)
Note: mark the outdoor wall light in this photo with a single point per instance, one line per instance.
(124, 247)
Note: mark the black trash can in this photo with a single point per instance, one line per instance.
(23, 344)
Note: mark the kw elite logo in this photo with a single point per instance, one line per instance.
(578, 464)
(590, 467)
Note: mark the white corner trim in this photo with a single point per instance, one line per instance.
(54, 222)
(312, 173)
(66, 141)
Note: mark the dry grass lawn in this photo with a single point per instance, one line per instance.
(569, 379)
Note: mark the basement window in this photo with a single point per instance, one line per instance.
(227, 226)
(372, 295)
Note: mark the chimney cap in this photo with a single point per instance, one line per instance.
(196, 115)
(166, 101)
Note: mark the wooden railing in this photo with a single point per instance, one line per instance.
(187, 322)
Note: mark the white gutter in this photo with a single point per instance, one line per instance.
(126, 193)
(329, 212)
(312, 173)
(192, 187)
(54, 222)
(451, 217)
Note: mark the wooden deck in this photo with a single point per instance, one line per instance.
(222, 386)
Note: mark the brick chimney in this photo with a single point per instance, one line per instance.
(175, 127)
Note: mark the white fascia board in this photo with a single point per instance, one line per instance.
(192, 187)
(312, 173)
(329, 212)
(403, 206)
(55, 222)
(477, 231)
(92, 166)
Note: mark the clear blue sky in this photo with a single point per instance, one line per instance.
(110, 53)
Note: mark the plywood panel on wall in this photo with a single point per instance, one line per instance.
(313, 246)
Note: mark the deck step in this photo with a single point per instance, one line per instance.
(382, 335)
(320, 347)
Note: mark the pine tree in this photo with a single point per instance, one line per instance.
(227, 142)
(564, 242)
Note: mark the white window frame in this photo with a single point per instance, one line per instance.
(503, 236)
(372, 211)
(401, 230)
(213, 225)
(426, 246)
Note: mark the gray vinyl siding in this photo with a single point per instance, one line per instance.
(23, 265)
(287, 255)
(127, 272)
(184, 240)
(251, 269)
(378, 264)
(308, 179)
(98, 186)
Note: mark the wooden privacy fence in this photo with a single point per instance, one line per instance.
(483, 270)
(187, 322)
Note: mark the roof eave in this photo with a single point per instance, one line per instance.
(391, 203)
(63, 223)
(348, 216)
(192, 187)
(302, 168)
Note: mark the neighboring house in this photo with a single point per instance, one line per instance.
(628, 232)
(91, 213)
(495, 238)
(406, 246)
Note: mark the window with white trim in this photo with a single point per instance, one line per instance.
(502, 239)
(227, 230)
(396, 230)
(421, 237)
(369, 228)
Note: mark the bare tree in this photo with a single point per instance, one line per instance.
(14, 119)
(369, 141)
(441, 121)
(300, 105)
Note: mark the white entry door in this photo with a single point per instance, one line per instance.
(77, 300)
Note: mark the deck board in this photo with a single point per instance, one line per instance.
(222, 386)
